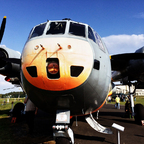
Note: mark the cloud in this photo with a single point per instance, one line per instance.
(123, 43)
(139, 15)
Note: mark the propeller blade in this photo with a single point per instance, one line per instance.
(2, 28)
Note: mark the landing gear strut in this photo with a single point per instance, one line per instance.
(61, 131)
(131, 98)
(138, 109)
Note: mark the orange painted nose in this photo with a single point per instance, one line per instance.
(53, 69)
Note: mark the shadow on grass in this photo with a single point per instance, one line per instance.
(4, 112)
(5, 131)
(17, 133)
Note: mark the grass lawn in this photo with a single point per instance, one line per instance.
(5, 108)
(6, 135)
(138, 100)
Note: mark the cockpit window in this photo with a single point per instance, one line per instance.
(77, 29)
(91, 35)
(56, 28)
(99, 41)
(38, 30)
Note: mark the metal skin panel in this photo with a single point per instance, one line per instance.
(99, 81)
(85, 94)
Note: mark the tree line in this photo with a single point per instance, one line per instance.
(13, 95)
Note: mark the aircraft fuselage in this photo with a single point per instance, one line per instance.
(65, 65)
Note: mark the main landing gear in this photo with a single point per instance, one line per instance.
(131, 97)
(138, 109)
(61, 131)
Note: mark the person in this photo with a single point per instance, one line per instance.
(109, 99)
(134, 98)
(128, 111)
(123, 98)
(117, 100)
(31, 111)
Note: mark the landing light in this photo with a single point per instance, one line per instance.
(7, 79)
(53, 68)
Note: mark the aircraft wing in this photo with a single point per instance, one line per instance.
(121, 61)
(128, 67)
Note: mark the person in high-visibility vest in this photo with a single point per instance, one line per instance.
(117, 100)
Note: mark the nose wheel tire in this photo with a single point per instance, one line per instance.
(63, 140)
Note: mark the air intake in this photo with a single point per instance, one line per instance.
(32, 70)
(76, 70)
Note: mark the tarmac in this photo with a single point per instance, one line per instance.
(133, 133)
(83, 133)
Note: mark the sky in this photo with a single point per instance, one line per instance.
(120, 23)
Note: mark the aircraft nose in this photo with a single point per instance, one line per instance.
(60, 66)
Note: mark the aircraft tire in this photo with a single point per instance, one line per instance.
(139, 113)
(62, 140)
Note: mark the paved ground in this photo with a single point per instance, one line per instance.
(133, 133)
(84, 134)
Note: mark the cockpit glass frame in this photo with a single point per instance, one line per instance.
(56, 28)
(38, 30)
(77, 29)
(99, 41)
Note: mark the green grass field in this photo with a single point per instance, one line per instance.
(5, 108)
(138, 100)
(6, 135)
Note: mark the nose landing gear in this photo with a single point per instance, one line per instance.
(61, 131)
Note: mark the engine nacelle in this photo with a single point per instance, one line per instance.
(8, 67)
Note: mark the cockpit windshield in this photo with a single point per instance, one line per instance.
(91, 35)
(38, 30)
(77, 29)
(56, 28)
